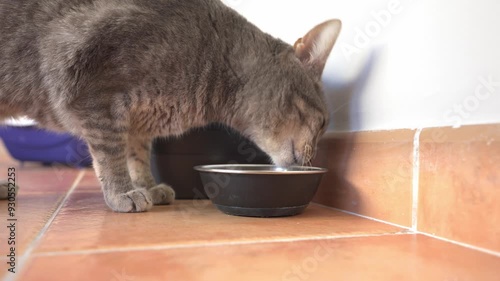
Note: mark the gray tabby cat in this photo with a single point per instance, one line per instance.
(119, 73)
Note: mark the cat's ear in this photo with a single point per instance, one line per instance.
(314, 48)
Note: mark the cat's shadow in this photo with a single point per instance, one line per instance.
(335, 150)
(345, 98)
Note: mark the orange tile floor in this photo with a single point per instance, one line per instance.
(66, 232)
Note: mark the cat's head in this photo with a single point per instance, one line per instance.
(289, 114)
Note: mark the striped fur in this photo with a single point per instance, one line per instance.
(119, 73)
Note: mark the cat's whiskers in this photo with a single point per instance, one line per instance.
(308, 151)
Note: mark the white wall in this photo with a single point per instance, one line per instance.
(422, 67)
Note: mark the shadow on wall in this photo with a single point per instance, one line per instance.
(336, 147)
(344, 99)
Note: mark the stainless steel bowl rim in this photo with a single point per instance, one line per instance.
(257, 169)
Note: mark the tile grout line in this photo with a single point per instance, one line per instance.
(465, 245)
(215, 244)
(415, 179)
(412, 231)
(34, 243)
(369, 218)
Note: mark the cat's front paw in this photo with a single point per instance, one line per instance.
(4, 190)
(162, 194)
(134, 201)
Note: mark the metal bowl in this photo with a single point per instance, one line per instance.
(260, 190)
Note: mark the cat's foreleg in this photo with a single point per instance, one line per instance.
(107, 140)
(138, 159)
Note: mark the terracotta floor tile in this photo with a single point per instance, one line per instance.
(395, 257)
(40, 194)
(32, 213)
(186, 222)
(460, 184)
(89, 179)
(49, 179)
(370, 173)
(89, 182)
(3, 266)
